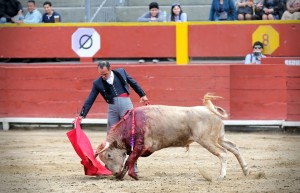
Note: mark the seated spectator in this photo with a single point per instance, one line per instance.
(153, 15)
(258, 10)
(177, 14)
(32, 16)
(50, 14)
(256, 55)
(292, 10)
(9, 9)
(222, 10)
(272, 9)
(244, 9)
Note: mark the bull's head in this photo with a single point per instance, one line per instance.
(112, 157)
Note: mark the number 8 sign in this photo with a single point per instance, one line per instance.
(268, 36)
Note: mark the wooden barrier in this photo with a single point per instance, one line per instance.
(293, 92)
(251, 92)
(258, 91)
(152, 40)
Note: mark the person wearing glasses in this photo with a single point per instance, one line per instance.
(177, 14)
(256, 55)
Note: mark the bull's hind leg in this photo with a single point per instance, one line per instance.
(220, 152)
(230, 146)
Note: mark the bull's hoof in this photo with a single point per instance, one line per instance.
(220, 178)
(122, 173)
(134, 175)
(247, 171)
(120, 177)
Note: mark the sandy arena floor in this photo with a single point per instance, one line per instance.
(44, 161)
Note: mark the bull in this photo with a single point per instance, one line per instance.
(147, 129)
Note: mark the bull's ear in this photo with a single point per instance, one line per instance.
(114, 144)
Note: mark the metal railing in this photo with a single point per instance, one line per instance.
(102, 10)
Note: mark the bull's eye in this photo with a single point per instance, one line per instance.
(108, 155)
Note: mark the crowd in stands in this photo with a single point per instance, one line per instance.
(255, 10)
(11, 11)
(222, 10)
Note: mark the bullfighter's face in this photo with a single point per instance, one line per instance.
(113, 159)
(104, 73)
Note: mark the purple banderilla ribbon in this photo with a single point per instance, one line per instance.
(132, 131)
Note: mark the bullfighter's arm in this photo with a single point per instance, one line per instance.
(89, 102)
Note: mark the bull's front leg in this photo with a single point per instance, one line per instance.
(133, 157)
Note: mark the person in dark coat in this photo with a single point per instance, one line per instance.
(9, 9)
(113, 85)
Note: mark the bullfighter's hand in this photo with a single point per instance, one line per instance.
(144, 100)
(79, 118)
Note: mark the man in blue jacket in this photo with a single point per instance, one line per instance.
(113, 85)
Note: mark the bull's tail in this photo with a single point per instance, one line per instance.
(215, 109)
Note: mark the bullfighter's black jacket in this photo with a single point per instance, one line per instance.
(101, 86)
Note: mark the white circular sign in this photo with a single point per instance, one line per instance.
(86, 42)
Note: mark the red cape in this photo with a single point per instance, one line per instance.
(83, 148)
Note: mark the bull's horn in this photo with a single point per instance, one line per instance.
(98, 151)
(105, 148)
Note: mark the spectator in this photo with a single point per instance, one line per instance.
(49, 14)
(113, 85)
(293, 10)
(9, 9)
(177, 14)
(153, 15)
(32, 16)
(222, 10)
(272, 9)
(256, 55)
(244, 9)
(258, 10)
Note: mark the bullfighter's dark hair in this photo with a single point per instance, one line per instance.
(103, 64)
(47, 3)
(31, 1)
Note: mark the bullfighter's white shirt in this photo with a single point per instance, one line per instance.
(110, 80)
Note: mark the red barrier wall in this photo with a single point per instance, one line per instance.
(293, 92)
(236, 40)
(259, 92)
(116, 41)
(138, 40)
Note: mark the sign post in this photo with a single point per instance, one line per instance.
(86, 43)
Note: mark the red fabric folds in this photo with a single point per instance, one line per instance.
(83, 148)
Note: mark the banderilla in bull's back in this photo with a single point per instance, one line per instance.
(144, 130)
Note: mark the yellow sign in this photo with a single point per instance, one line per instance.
(268, 36)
